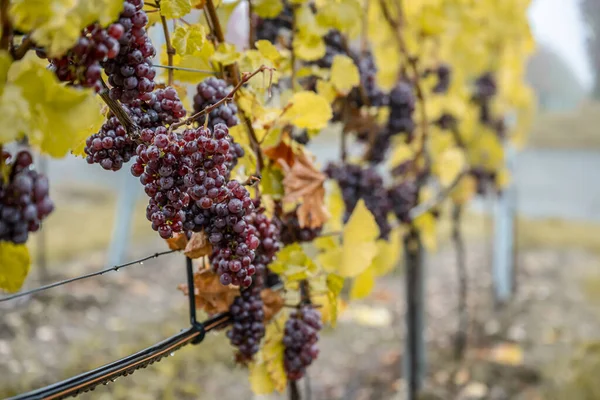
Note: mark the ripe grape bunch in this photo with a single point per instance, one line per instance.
(24, 199)
(81, 64)
(485, 89)
(247, 328)
(363, 183)
(444, 75)
(111, 147)
(372, 93)
(292, 232)
(403, 197)
(402, 106)
(300, 340)
(130, 72)
(269, 234)
(272, 29)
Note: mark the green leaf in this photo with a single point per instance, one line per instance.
(189, 39)
(57, 24)
(14, 265)
(267, 8)
(175, 8)
(293, 264)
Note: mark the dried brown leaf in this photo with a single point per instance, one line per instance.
(177, 242)
(272, 303)
(211, 296)
(283, 152)
(303, 182)
(198, 246)
(360, 121)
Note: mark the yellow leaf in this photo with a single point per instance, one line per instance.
(465, 190)
(363, 284)
(335, 283)
(358, 247)
(267, 8)
(267, 49)
(308, 110)
(327, 90)
(5, 61)
(226, 54)
(426, 226)
(342, 15)
(188, 39)
(198, 61)
(335, 205)
(293, 264)
(153, 17)
(57, 24)
(14, 265)
(507, 353)
(260, 380)
(344, 74)
(15, 116)
(175, 8)
(370, 316)
(401, 154)
(450, 164)
(388, 253)
(308, 47)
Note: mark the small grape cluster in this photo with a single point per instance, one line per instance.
(111, 147)
(24, 199)
(300, 341)
(403, 197)
(292, 232)
(402, 106)
(366, 183)
(272, 29)
(444, 75)
(334, 45)
(80, 66)
(373, 95)
(269, 234)
(247, 323)
(130, 73)
(485, 89)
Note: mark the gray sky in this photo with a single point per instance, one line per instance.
(558, 24)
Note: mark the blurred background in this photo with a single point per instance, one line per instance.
(534, 326)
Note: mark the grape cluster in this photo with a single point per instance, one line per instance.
(292, 232)
(130, 73)
(300, 340)
(403, 197)
(24, 199)
(269, 234)
(373, 95)
(111, 147)
(402, 106)
(247, 323)
(485, 90)
(81, 64)
(334, 45)
(363, 183)
(272, 29)
(444, 75)
(210, 91)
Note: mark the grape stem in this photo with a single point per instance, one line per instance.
(245, 78)
(117, 109)
(170, 50)
(200, 71)
(233, 72)
(19, 52)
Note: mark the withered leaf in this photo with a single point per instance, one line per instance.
(211, 296)
(283, 151)
(198, 246)
(177, 242)
(303, 182)
(272, 303)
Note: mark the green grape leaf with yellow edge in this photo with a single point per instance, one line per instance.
(308, 47)
(61, 116)
(308, 110)
(226, 54)
(56, 24)
(293, 264)
(14, 265)
(344, 74)
(359, 246)
(172, 9)
(267, 372)
(267, 8)
(188, 39)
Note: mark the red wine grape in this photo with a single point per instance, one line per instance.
(300, 340)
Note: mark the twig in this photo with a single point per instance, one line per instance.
(117, 109)
(460, 341)
(245, 78)
(200, 71)
(19, 52)
(170, 49)
(148, 3)
(294, 391)
(251, 30)
(6, 25)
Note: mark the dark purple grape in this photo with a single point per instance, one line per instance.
(300, 338)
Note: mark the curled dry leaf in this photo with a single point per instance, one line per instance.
(283, 152)
(272, 303)
(303, 182)
(178, 242)
(211, 296)
(198, 246)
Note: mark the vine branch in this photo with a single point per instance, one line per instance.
(6, 25)
(119, 112)
(170, 49)
(26, 45)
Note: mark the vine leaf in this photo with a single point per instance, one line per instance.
(303, 182)
(308, 47)
(293, 264)
(464, 190)
(171, 9)
(267, 373)
(211, 296)
(226, 54)
(426, 226)
(15, 263)
(188, 39)
(308, 110)
(267, 8)
(327, 90)
(198, 246)
(281, 153)
(344, 74)
(358, 245)
(363, 284)
(272, 303)
(451, 163)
